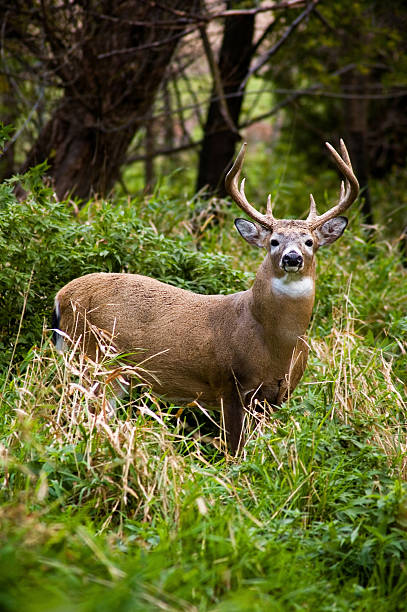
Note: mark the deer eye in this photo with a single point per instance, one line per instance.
(309, 243)
(274, 242)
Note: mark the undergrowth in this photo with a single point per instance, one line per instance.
(137, 513)
(43, 246)
(144, 512)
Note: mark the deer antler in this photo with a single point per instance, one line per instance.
(239, 196)
(349, 189)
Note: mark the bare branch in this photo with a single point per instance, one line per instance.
(296, 94)
(200, 20)
(217, 80)
(270, 27)
(188, 84)
(260, 9)
(266, 56)
(149, 45)
(179, 110)
(182, 17)
(165, 151)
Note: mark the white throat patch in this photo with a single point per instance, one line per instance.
(291, 286)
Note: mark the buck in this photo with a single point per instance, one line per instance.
(222, 350)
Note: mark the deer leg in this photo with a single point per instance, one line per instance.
(233, 415)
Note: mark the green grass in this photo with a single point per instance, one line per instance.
(140, 513)
(135, 514)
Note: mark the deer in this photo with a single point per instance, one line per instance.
(223, 351)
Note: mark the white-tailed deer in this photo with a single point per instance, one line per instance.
(222, 350)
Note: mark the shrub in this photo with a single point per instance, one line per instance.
(43, 246)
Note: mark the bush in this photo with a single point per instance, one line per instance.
(43, 246)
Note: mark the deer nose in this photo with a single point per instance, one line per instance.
(292, 259)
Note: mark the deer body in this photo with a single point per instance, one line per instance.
(205, 344)
(221, 350)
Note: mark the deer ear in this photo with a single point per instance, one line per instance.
(253, 233)
(331, 230)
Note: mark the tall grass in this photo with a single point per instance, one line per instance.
(144, 511)
(135, 513)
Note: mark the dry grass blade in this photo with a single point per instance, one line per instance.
(364, 385)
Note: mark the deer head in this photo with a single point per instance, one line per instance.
(293, 243)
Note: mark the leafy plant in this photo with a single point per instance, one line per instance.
(43, 246)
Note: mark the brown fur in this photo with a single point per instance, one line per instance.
(218, 349)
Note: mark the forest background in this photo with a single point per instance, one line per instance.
(119, 123)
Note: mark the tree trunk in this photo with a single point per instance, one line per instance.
(219, 139)
(118, 54)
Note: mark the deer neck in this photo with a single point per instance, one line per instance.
(282, 304)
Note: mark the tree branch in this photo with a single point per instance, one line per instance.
(266, 56)
(164, 151)
(296, 94)
(217, 80)
(150, 45)
(255, 11)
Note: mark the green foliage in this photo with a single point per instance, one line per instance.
(5, 132)
(43, 246)
(101, 518)
(136, 514)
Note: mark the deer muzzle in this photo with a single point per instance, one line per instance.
(292, 261)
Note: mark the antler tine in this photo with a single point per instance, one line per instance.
(269, 208)
(344, 153)
(312, 215)
(238, 195)
(242, 192)
(348, 193)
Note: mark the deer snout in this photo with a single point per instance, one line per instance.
(292, 261)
